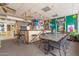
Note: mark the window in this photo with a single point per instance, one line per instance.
(1, 27)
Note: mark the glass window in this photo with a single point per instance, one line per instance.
(1, 27)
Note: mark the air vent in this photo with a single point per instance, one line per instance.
(46, 9)
(55, 15)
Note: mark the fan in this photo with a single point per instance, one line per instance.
(6, 9)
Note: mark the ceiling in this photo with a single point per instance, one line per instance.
(56, 9)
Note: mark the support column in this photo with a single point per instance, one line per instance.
(78, 22)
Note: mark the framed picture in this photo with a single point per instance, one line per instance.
(71, 28)
(46, 24)
(8, 27)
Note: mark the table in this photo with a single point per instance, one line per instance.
(54, 37)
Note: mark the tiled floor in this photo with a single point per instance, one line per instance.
(11, 49)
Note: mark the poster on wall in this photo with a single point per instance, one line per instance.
(53, 25)
(71, 28)
(61, 24)
(39, 24)
(46, 24)
(71, 23)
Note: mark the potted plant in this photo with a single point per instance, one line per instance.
(74, 36)
(77, 37)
